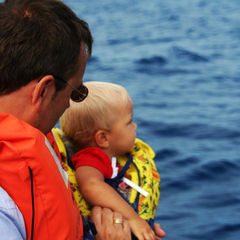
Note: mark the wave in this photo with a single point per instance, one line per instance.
(174, 216)
(166, 153)
(153, 70)
(175, 186)
(215, 170)
(158, 65)
(139, 41)
(187, 173)
(95, 65)
(218, 200)
(226, 231)
(226, 228)
(158, 60)
(192, 130)
(182, 53)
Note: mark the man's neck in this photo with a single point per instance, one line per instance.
(18, 104)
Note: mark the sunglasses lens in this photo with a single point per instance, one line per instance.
(79, 94)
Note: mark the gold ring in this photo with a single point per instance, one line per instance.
(118, 220)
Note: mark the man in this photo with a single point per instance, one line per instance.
(44, 48)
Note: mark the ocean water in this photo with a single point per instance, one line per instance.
(180, 62)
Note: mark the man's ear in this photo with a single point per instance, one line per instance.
(101, 139)
(43, 90)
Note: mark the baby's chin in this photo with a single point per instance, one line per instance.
(131, 149)
(126, 152)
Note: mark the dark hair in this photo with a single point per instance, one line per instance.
(37, 38)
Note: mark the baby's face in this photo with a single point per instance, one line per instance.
(123, 133)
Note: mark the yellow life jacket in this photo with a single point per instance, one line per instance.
(142, 171)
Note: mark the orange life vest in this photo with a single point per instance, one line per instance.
(31, 174)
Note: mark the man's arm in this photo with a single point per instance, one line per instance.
(103, 219)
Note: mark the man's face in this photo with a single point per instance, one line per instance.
(61, 101)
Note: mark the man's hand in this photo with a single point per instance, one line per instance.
(103, 219)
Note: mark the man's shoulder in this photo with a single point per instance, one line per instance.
(12, 127)
(18, 139)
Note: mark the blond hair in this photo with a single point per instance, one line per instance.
(97, 112)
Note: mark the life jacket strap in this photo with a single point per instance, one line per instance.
(114, 182)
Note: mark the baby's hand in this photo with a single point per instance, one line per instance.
(141, 229)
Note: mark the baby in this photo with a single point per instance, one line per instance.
(101, 127)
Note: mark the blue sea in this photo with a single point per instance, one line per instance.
(180, 62)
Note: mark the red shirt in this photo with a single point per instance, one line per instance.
(93, 157)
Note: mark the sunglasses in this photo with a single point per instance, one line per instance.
(78, 94)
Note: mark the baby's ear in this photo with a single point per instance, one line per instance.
(101, 139)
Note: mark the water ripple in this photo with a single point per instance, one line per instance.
(157, 60)
(158, 65)
(166, 153)
(218, 200)
(176, 186)
(182, 53)
(194, 130)
(213, 171)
